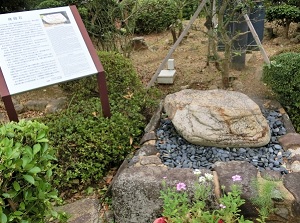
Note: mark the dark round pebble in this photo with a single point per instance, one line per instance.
(176, 152)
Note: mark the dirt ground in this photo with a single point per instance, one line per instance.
(190, 63)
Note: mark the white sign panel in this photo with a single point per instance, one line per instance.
(42, 47)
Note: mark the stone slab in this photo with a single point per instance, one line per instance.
(85, 210)
(248, 173)
(290, 140)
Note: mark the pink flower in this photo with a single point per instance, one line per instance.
(160, 220)
(181, 186)
(220, 221)
(236, 178)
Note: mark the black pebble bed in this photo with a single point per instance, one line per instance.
(176, 152)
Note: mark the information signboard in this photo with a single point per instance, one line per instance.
(44, 47)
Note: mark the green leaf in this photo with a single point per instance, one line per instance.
(29, 178)
(45, 147)
(36, 148)
(41, 135)
(52, 194)
(26, 160)
(3, 218)
(16, 185)
(35, 170)
(22, 206)
(6, 195)
(49, 173)
(18, 213)
(43, 140)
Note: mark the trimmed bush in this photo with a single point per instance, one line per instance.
(284, 15)
(89, 144)
(49, 4)
(283, 76)
(190, 8)
(154, 16)
(26, 194)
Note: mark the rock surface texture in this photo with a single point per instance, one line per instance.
(136, 191)
(85, 210)
(217, 118)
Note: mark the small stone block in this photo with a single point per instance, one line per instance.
(148, 136)
(171, 65)
(291, 183)
(166, 77)
(290, 140)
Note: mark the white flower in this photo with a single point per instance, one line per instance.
(197, 171)
(202, 179)
(209, 176)
(222, 206)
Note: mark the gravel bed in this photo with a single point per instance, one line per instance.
(176, 152)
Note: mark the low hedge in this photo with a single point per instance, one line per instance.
(88, 144)
(283, 76)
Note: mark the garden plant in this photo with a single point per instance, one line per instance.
(204, 207)
(26, 172)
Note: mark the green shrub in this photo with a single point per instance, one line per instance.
(154, 16)
(120, 76)
(25, 172)
(89, 144)
(190, 8)
(284, 15)
(123, 83)
(49, 4)
(283, 76)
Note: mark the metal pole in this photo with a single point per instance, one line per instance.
(176, 43)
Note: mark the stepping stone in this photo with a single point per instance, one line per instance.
(85, 210)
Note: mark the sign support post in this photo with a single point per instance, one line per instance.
(6, 98)
(102, 88)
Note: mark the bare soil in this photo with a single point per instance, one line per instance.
(191, 63)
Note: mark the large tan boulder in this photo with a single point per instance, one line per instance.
(217, 118)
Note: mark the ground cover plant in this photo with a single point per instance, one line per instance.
(89, 144)
(205, 207)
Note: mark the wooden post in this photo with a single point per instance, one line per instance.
(6, 98)
(103, 93)
(255, 36)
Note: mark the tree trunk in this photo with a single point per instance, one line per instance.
(286, 29)
(225, 66)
